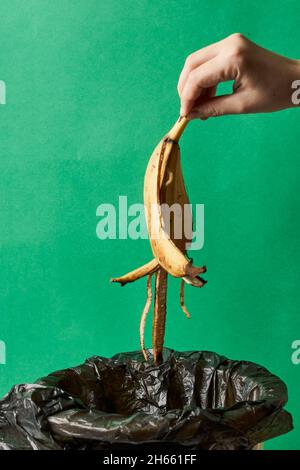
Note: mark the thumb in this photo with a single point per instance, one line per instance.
(218, 106)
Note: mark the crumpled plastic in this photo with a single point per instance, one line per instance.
(194, 400)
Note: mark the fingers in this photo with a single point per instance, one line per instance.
(220, 106)
(193, 61)
(205, 69)
(207, 75)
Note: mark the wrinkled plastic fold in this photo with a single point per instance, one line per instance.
(198, 400)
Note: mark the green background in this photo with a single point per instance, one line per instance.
(91, 88)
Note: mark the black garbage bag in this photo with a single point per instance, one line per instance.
(198, 400)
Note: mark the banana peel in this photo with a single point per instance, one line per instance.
(163, 187)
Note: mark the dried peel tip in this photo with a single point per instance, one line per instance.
(113, 279)
(193, 271)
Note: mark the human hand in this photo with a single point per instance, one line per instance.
(262, 79)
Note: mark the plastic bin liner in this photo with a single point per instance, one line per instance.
(198, 400)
